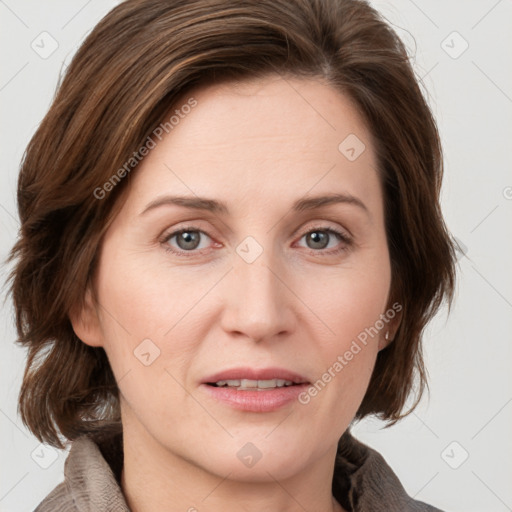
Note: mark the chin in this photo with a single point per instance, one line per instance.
(258, 461)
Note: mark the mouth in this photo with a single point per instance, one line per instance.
(253, 385)
(253, 390)
(246, 378)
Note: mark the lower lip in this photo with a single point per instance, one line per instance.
(256, 401)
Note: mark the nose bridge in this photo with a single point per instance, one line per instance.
(258, 302)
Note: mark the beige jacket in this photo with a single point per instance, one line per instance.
(363, 481)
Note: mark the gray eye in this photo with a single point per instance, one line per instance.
(319, 239)
(188, 240)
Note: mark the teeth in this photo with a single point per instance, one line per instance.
(246, 384)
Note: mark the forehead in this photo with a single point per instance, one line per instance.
(266, 137)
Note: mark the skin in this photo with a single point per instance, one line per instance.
(258, 146)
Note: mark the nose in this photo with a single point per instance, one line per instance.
(258, 303)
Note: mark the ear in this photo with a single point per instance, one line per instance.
(85, 320)
(394, 317)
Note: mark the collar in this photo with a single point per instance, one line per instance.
(362, 481)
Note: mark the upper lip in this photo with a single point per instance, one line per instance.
(256, 374)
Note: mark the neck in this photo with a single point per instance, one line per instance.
(155, 478)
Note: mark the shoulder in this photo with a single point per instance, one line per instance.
(59, 500)
(364, 482)
(89, 484)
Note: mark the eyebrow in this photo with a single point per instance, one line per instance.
(218, 207)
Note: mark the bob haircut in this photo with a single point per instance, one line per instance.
(125, 78)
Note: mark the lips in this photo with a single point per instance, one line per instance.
(263, 374)
(254, 390)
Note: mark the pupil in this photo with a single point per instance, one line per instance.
(191, 239)
(318, 237)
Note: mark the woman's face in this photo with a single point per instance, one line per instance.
(265, 281)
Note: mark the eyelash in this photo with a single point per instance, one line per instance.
(187, 254)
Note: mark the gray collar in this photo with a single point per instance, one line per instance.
(363, 481)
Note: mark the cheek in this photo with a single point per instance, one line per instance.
(350, 304)
(352, 308)
(349, 355)
(152, 322)
(143, 297)
(143, 322)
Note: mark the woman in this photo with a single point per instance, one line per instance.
(231, 244)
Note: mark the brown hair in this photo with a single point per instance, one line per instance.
(127, 74)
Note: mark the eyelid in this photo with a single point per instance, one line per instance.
(324, 226)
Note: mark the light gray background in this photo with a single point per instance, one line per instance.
(468, 354)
